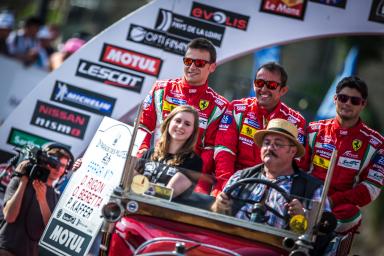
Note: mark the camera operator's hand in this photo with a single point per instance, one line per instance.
(41, 190)
(22, 168)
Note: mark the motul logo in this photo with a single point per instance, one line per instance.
(131, 60)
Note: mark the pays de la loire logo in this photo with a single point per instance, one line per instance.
(203, 104)
(356, 144)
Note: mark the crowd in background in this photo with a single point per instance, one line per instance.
(35, 43)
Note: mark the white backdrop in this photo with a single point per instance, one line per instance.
(113, 72)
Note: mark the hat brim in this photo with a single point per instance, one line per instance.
(258, 138)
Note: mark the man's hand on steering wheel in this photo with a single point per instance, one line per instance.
(243, 182)
(295, 207)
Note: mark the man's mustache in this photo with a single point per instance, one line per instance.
(270, 153)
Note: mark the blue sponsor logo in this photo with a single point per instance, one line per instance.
(326, 146)
(83, 99)
(177, 101)
(301, 138)
(253, 123)
(379, 159)
(147, 101)
(226, 119)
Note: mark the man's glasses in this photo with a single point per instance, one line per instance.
(275, 145)
(354, 99)
(271, 85)
(198, 62)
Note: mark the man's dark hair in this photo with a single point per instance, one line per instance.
(33, 21)
(355, 83)
(204, 44)
(275, 68)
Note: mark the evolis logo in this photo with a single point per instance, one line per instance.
(220, 16)
(83, 99)
(186, 27)
(60, 120)
(110, 76)
(157, 39)
(131, 60)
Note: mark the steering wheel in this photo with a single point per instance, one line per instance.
(268, 183)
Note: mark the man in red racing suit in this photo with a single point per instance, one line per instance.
(234, 147)
(191, 90)
(359, 168)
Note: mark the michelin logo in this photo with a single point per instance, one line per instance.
(83, 99)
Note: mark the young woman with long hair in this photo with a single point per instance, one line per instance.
(173, 161)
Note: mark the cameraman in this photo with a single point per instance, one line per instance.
(28, 204)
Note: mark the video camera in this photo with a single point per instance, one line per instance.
(38, 161)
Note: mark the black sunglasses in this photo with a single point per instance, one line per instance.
(271, 85)
(198, 62)
(354, 99)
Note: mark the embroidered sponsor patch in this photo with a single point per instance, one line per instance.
(325, 145)
(321, 162)
(203, 123)
(252, 123)
(356, 144)
(247, 141)
(349, 163)
(248, 131)
(324, 153)
(168, 106)
(301, 138)
(375, 176)
(240, 108)
(226, 119)
(203, 104)
(374, 142)
(147, 101)
(349, 153)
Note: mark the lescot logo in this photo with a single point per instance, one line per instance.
(356, 144)
(203, 104)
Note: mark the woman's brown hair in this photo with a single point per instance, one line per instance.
(161, 150)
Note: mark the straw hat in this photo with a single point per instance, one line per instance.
(284, 128)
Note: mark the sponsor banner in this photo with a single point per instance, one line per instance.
(157, 39)
(76, 220)
(377, 11)
(291, 9)
(190, 28)
(132, 60)
(80, 98)
(219, 16)
(61, 120)
(63, 239)
(335, 3)
(110, 76)
(19, 138)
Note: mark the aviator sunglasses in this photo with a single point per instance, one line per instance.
(271, 85)
(198, 62)
(354, 99)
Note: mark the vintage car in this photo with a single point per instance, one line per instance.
(144, 218)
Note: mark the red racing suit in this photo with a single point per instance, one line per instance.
(359, 168)
(168, 94)
(234, 146)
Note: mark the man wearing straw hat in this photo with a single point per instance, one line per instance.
(279, 146)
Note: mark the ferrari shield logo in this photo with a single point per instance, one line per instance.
(203, 104)
(356, 144)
